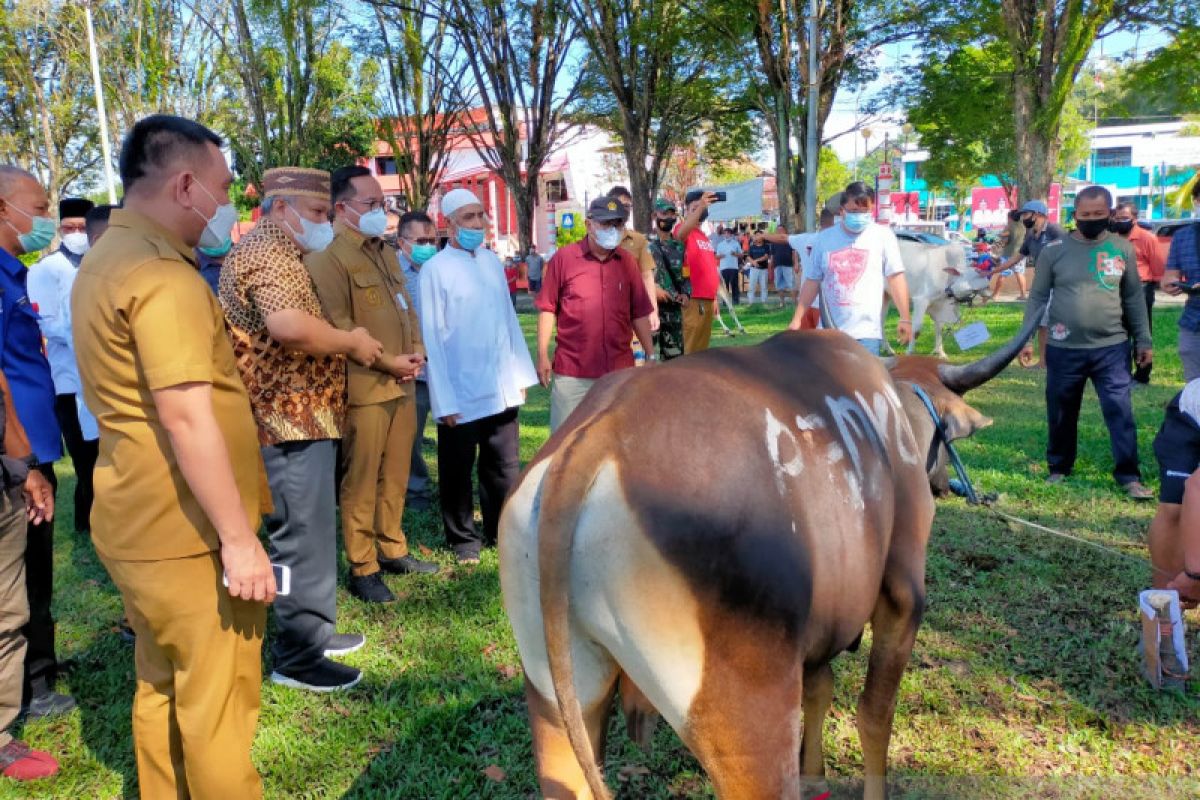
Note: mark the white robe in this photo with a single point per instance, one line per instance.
(49, 284)
(479, 364)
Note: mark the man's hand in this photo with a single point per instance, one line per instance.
(1189, 590)
(247, 569)
(1025, 357)
(1145, 357)
(451, 420)
(364, 348)
(654, 323)
(39, 498)
(904, 331)
(544, 369)
(406, 367)
(663, 295)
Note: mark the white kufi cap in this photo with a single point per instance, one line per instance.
(456, 199)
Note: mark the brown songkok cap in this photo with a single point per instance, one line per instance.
(296, 182)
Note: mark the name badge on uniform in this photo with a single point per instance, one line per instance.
(401, 302)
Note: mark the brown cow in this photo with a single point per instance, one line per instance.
(630, 557)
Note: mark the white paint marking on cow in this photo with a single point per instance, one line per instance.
(888, 416)
(776, 430)
(810, 423)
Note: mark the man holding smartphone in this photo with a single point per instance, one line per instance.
(700, 268)
(1183, 270)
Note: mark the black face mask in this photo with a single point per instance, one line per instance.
(1123, 226)
(1028, 223)
(666, 225)
(704, 215)
(1091, 228)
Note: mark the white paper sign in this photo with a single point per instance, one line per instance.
(972, 335)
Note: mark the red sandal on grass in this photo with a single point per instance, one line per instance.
(19, 762)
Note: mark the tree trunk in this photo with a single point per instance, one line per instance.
(1037, 149)
(641, 184)
(781, 132)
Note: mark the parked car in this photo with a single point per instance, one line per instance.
(1164, 229)
(910, 235)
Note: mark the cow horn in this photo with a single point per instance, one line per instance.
(961, 379)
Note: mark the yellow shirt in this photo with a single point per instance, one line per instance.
(360, 284)
(144, 320)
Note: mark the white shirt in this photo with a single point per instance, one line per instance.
(49, 286)
(853, 269)
(479, 363)
(728, 251)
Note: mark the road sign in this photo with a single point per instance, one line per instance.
(568, 220)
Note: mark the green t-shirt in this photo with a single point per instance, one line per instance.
(1097, 299)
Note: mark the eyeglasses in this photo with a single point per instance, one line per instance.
(371, 204)
(73, 228)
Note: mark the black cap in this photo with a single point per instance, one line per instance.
(74, 207)
(607, 209)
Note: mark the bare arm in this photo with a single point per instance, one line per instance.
(545, 329)
(692, 220)
(39, 495)
(898, 289)
(199, 447)
(804, 300)
(641, 326)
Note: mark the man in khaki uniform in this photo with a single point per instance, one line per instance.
(179, 474)
(360, 283)
(638, 246)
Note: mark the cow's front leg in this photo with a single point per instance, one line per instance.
(818, 695)
(938, 349)
(919, 306)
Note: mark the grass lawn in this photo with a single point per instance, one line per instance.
(1024, 681)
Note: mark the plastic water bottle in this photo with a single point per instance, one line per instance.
(639, 355)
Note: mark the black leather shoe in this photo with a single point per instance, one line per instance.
(50, 704)
(371, 589)
(408, 565)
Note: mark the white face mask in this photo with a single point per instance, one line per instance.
(219, 226)
(373, 223)
(77, 243)
(608, 238)
(313, 236)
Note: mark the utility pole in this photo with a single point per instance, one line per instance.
(99, 92)
(812, 149)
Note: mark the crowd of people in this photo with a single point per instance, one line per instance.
(206, 389)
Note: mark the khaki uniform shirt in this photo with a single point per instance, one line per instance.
(145, 320)
(639, 247)
(296, 397)
(361, 284)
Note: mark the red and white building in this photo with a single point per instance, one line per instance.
(587, 163)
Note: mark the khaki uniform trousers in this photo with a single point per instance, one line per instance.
(376, 459)
(14, 608)
(697, 325)
(199, 670)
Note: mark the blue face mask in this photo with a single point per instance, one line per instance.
(423, 252)
(856, 222)
(470, 238)
(40, 234)
(219, 251)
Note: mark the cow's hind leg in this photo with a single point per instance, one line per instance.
(818, 696)
(744, 726)
(894, 626)
(559, 774)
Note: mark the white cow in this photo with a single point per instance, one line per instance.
(939, 279)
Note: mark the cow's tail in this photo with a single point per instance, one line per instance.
(565, 488)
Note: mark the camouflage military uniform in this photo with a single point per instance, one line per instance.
(668, 256)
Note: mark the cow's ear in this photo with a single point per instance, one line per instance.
(951, 270)
(961, 420)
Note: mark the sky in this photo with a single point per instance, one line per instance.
(846, 116)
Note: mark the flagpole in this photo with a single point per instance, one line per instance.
(99, 93)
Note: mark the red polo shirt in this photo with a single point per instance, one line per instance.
(595, 303)
(1151, 262)
(700, 264)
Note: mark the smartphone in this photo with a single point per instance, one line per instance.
(721, 197)
(1192, 289)
(283, 579)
